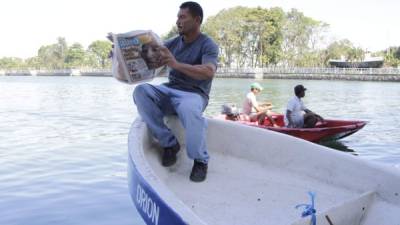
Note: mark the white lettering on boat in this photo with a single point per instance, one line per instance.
(147, 205)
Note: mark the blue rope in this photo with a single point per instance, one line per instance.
(309, 209)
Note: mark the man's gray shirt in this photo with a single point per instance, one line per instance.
(201, 51)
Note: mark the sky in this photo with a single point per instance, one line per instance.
(26, 24)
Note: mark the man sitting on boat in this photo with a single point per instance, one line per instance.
(254, 110)
(192, 57)
(297, 115)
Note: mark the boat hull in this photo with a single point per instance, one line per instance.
(326, 131)
(258, 179)
(149, 204)
(154, 202)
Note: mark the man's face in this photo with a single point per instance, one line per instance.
(186, 23)
(302, 94)
(256, 91)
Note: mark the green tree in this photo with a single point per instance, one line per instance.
(61, 49)
(247, 37)
(32, 62)
(263, 28)
(302, 36)
(100, 50)
(224, 28)
(47, 57)
(343, 49)
(392, 56)
(338, 50)
(53, 56)
(355, 54)
(75, 56)
(171, 33)
(11, 63)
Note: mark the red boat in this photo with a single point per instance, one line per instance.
(323, 131)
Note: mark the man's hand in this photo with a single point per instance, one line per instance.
(266, 105)
(319, 117)
(166, 57)
(198, 72)
(265, 108)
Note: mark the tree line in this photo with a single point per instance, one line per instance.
(247, 37)
(259, 37)
(60, 55)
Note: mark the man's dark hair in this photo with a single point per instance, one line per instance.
(194, 9)
(298, 89)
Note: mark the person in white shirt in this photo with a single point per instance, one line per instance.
(255, 111)
(297, 115)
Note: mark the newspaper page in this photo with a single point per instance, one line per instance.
(135, 57)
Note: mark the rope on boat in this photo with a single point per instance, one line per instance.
(309, 209)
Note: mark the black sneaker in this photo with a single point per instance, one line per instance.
(169, 155)
(199, 171)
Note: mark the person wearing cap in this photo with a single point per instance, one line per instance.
(297, 115)
(255, 111)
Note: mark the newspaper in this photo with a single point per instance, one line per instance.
(135, 57)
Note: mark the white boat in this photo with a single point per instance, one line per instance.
(257, 176)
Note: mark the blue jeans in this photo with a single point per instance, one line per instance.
(155, 102)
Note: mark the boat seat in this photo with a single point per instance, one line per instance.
(351, 212)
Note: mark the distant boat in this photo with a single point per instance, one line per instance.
(325, 131)
(257, 177)
(368, 62)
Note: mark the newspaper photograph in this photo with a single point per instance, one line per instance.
(135, 57)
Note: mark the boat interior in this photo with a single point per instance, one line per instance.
(257, 177)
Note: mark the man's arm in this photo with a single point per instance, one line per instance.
(255, 105)
(199, 72)
(260, 109)
(307, 111)
(266, 105)
(318, 116)
(288, 115)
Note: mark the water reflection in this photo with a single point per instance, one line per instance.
(338, 145)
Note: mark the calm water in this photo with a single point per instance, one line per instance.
(63, 140)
